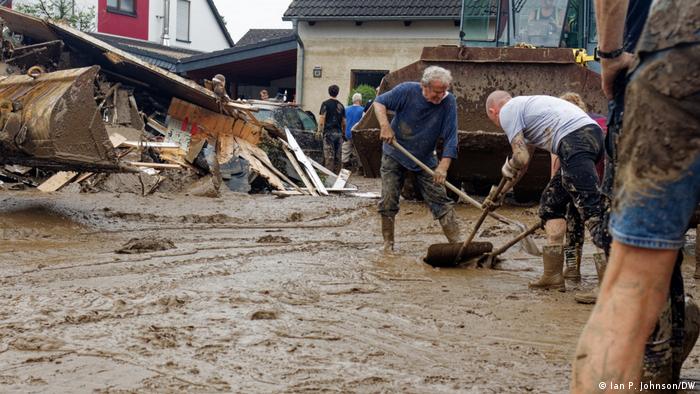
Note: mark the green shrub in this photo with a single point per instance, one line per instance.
(368, 92)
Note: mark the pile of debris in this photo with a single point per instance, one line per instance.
(78, 113)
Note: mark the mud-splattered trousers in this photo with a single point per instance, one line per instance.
(393, 177)
(657, 181)
(332, 148)
(577, 180)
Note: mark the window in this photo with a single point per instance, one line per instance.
(183, 21)
(479, 20)
(540, 22)
(122, 6)
(367, 77)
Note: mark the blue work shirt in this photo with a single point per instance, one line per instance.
(418, 124)
(353, 114)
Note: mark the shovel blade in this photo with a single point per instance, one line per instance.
(445, 255)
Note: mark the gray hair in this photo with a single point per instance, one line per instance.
(356, 97)
(436, 73)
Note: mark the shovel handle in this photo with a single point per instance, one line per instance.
(484, 213)
(452, 187)
(517, 239)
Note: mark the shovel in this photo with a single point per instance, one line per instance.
(479, 222)
(528, 243)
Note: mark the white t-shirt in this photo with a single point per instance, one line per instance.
(543, 120)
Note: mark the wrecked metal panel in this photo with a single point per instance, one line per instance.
(53, 121)
(45, 53)
(27, 25)
(114, 60)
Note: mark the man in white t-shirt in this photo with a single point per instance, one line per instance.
(563, 129)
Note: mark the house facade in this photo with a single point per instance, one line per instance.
(187, 24)
(356, 43)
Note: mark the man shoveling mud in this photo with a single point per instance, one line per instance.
(562, 128)
(425, 111)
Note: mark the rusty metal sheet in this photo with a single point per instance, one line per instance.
(27, 25)
(53, 121)
(498, 55)
(114, 60)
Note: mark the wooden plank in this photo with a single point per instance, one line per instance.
(83, 177)
(57, 181)
(266, 161)
(318, 184)
(256, 165)
(153, 165)
(342, 179)
(225, 148)
(300, 172)
(155, 125)
(195, 147)
(326, 171)
(116, 139)
(150, 144)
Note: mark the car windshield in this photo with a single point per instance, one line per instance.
(308, 122)
(263, 114)
(539, 22)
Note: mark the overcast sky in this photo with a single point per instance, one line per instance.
(243, 15)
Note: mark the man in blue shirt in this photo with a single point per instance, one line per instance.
(424, 113)
(353, 114)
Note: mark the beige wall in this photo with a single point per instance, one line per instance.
(339, 47)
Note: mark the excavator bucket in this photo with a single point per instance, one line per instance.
(476, 73)
(52, 121)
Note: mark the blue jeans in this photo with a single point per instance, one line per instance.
(393, 177)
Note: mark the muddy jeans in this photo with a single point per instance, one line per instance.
(393, 177)
(332, 143)
(577, 181)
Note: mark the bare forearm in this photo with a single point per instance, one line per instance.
(610, 16)
(444, 163)
(380, 113)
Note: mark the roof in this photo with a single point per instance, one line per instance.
(238, 53)
(254, 36)
(374, 10)
(163, 56)
(220, 21)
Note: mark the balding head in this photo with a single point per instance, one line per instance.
(494, 102)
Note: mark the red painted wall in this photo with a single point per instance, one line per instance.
(123, 25)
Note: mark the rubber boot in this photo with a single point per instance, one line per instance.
(388, 233)
(572, 263)
(450, 227)
(552, 278)
(590, 297)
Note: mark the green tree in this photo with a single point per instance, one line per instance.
(62, 11)
(368, 92)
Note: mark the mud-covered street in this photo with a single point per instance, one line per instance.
(262, 294)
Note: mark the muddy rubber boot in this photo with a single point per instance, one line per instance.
(450, 227)
(692, 326)
(572, 263)
(552, 278)
(388, 233)
(590, 297)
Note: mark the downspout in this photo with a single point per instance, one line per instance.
(166, 23)
(300, 64)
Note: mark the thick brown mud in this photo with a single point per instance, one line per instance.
(262, 294)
